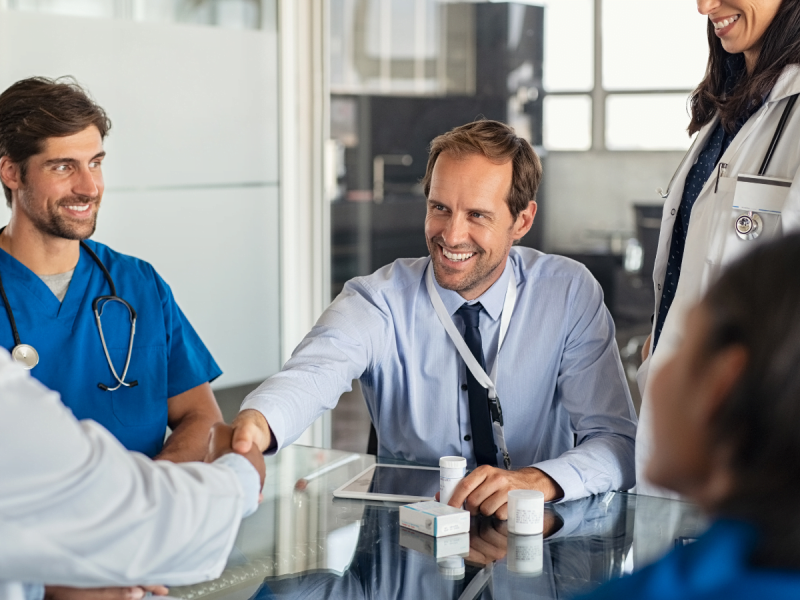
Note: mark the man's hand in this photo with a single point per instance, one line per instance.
(57, 592)
(646, 348)
(485, 490)
(488, 540)
(220, 440)
(250, 428)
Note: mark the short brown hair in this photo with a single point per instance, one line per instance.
(38, 108)
(497, 142)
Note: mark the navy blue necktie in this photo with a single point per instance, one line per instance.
(482, 437)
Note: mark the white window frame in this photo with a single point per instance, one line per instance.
(599, 94)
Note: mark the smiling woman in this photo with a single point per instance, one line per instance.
(765, 32)
(744, 115)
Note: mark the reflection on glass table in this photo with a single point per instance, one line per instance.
(303, 543)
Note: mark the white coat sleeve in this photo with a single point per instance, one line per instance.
(78, 509)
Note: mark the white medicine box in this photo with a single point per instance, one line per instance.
(434, 518)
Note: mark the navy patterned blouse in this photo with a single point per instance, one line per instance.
(706, 163)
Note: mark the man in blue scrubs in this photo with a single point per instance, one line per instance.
(51, 155)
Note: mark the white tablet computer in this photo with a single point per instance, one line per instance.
(392, 483)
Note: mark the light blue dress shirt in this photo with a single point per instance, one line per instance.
(559, 372)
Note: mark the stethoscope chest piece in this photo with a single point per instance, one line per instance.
(748, 226)
(25, 355)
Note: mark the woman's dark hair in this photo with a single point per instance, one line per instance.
(38, 108)
(756, 304)
(780, 46)
(497, 142)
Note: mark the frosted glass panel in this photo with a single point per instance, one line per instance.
(401, 46)
(568, 45)
(647, 122)
(567, 122)
(653, 45)
(232, 14)
(192, 166)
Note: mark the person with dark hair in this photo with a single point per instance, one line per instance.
(500, 354)
(725, 410)
(739, 184)
(101, 328)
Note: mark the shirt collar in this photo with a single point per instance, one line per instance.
(492, 299)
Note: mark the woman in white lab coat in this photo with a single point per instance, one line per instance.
(738, 185)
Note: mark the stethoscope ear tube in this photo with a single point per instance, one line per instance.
(778, 133)
(97, 306)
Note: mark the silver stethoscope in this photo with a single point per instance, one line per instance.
(480, 375)
(27, 356)
(748, 225)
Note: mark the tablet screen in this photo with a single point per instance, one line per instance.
(405, 482)
(393, 483)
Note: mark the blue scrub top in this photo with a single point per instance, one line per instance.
(168, 356)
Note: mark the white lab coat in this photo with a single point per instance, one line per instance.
(711, 242)
(78, 509)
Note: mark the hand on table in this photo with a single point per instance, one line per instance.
(488, 537)
(57, 592)
(485, 490)
(488, 540)
(220, 442)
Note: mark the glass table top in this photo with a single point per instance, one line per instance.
(304, 543)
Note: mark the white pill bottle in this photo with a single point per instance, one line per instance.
(452, 469)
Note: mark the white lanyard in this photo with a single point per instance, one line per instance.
(488, 382)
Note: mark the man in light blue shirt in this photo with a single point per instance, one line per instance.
(558, 376)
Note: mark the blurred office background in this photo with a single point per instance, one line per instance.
(265, 151)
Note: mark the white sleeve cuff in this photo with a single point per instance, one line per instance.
(248, 478)
(564, 475)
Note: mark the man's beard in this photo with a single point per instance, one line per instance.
(55, 224)
(480, 270)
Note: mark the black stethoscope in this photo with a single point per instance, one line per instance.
(27, 356)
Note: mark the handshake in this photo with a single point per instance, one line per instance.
(221, 442)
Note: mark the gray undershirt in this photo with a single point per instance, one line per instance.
(58, 283)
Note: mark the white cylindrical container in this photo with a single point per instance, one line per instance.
(452, 469)
(525, 554)
(525, 512)
(451, 567)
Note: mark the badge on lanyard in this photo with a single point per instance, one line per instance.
(758, 193)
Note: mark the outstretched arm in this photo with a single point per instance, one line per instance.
(78, 509)
(191, 415)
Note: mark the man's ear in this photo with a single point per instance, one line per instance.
(721, 374)
(10, 173)
(524, 221)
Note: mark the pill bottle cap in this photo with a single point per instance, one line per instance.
(526, 494)
(453, 462)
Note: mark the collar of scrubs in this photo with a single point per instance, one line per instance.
(66, 310)
(492, 299)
